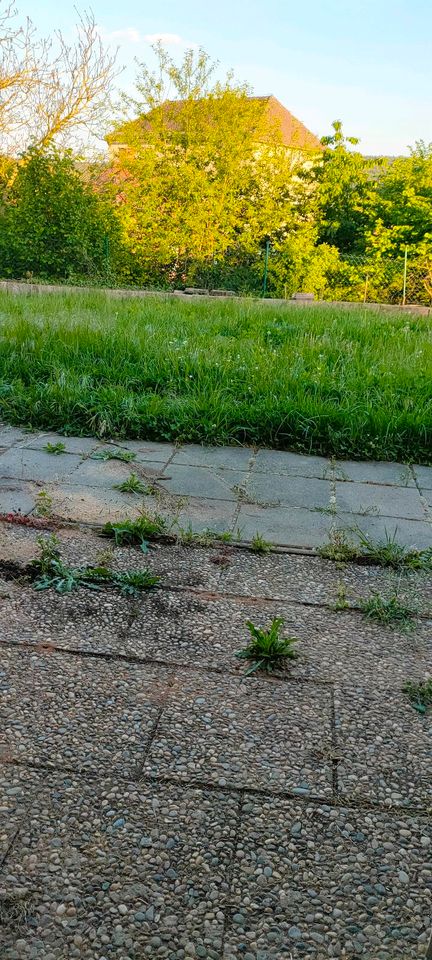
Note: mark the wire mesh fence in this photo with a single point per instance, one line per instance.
(265, 271)
(402, 281)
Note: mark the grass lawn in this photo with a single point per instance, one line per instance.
(352, 383)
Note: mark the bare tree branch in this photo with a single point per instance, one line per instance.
(51, 89)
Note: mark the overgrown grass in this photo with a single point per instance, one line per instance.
(332, 381)
(391, 611)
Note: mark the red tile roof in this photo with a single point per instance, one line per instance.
(293, 132)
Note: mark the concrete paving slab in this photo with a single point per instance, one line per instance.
(20, 463)
(207, 630)
(288, 526)
(16, 497)
(149, 450)
(97, 505)
(107, 473)
(308, 579)
(374, 471)
(82, 620)
(284, 576)
(198, 514)
(77, 445)
(245, 734)
(342, 646)
(91, 715)
(306, 492)
(122, 869)
(318, 882)
(292, 464)
(385, 747)
(11, 435)
(229, 458)
(182, 862)
(424, 477)
(377, 499)
(15, 796)
(190, 481)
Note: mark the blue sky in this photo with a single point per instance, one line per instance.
(367, 62)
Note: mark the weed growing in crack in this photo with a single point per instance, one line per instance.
(43, 504)
(203, 538)
(113, 454)
(259, 545)
(419, 694)
(390, 611)
(339, 547)
(267, 650)
(133, 484)
(341, 602)
(55, 448)
(136, 532)
(390, 553)
(382, 553)
(132, 581)
(50, 572)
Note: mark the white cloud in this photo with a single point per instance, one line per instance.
(127, 35)
(168, 40)
(132, 35)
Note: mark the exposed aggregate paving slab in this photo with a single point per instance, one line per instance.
(91, 715)
(121, 870)
(82, 620)
(167, 810)
(385, 747)
(260, 734)
(315, 882)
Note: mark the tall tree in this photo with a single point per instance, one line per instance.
(203, 168)
(404, 201)
(346, 183)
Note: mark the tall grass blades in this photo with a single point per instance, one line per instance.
(352, 383)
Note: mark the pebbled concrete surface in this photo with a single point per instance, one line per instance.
(156, 803)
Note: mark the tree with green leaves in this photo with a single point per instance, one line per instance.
(52, 223)
(204, 172)
(346, 185)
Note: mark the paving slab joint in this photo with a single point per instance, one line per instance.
(227, 910)
(170, 682)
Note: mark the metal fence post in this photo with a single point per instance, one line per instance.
(106, 249)
(405, 277)
(366, 288)
(267, 250)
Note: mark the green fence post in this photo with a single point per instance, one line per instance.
(405, 277)
(106, 249)
(267, 250)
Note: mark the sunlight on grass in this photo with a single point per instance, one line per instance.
(331, 381)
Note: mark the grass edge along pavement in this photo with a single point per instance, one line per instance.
(329, 381)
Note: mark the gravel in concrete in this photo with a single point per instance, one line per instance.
(117, 869)
(316, 881)
(385, 747)
(85, 714)
(254, 733)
